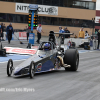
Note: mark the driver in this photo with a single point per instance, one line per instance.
(47, 47)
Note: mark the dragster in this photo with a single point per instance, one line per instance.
(47, 58)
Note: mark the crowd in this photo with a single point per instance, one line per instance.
(2, 29)
(81, 34)
(8, 29)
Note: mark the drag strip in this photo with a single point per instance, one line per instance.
(57, 85)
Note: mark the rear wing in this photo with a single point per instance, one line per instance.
(63, 33)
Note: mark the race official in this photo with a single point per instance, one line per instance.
(67, 31)
(10, 31)
(39, 30)
(98, 34)
(81, 33)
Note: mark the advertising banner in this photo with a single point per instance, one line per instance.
(42, 9)
(31, 38)
(22, 35)
(97, 17)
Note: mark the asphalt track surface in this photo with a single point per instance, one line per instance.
(83, 84)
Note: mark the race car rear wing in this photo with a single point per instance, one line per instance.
(64, 33)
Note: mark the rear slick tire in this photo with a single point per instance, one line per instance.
(71, 58)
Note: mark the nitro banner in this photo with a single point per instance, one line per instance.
(49, 10)
(42, 9)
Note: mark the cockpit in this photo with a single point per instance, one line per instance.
(45, 49)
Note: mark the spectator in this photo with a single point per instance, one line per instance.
(67, 31)
(60, 30)
(4, 27)
(0, 32)
(10, 31)
(86, 35)
(62, 36)
(75, 36)
(2, 35)
(81, 33)
(39, 30)
(98, 34)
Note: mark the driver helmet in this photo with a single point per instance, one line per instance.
(46, 46)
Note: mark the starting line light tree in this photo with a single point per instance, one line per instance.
(32, 21)
(33, 17)
(29, 20)
(35, 21)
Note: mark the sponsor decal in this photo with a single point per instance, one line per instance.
(42, 9)
(31, 36)
(33, 6)
(39, 66)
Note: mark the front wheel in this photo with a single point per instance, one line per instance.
(9, 67)
(71, 58)
(31, 70)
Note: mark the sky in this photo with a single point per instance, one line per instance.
(98, 5)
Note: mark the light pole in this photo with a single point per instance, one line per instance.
(93, 19)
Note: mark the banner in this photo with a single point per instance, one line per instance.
(97, 19)
(42, 9)
(22, 35)
(97, 4)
